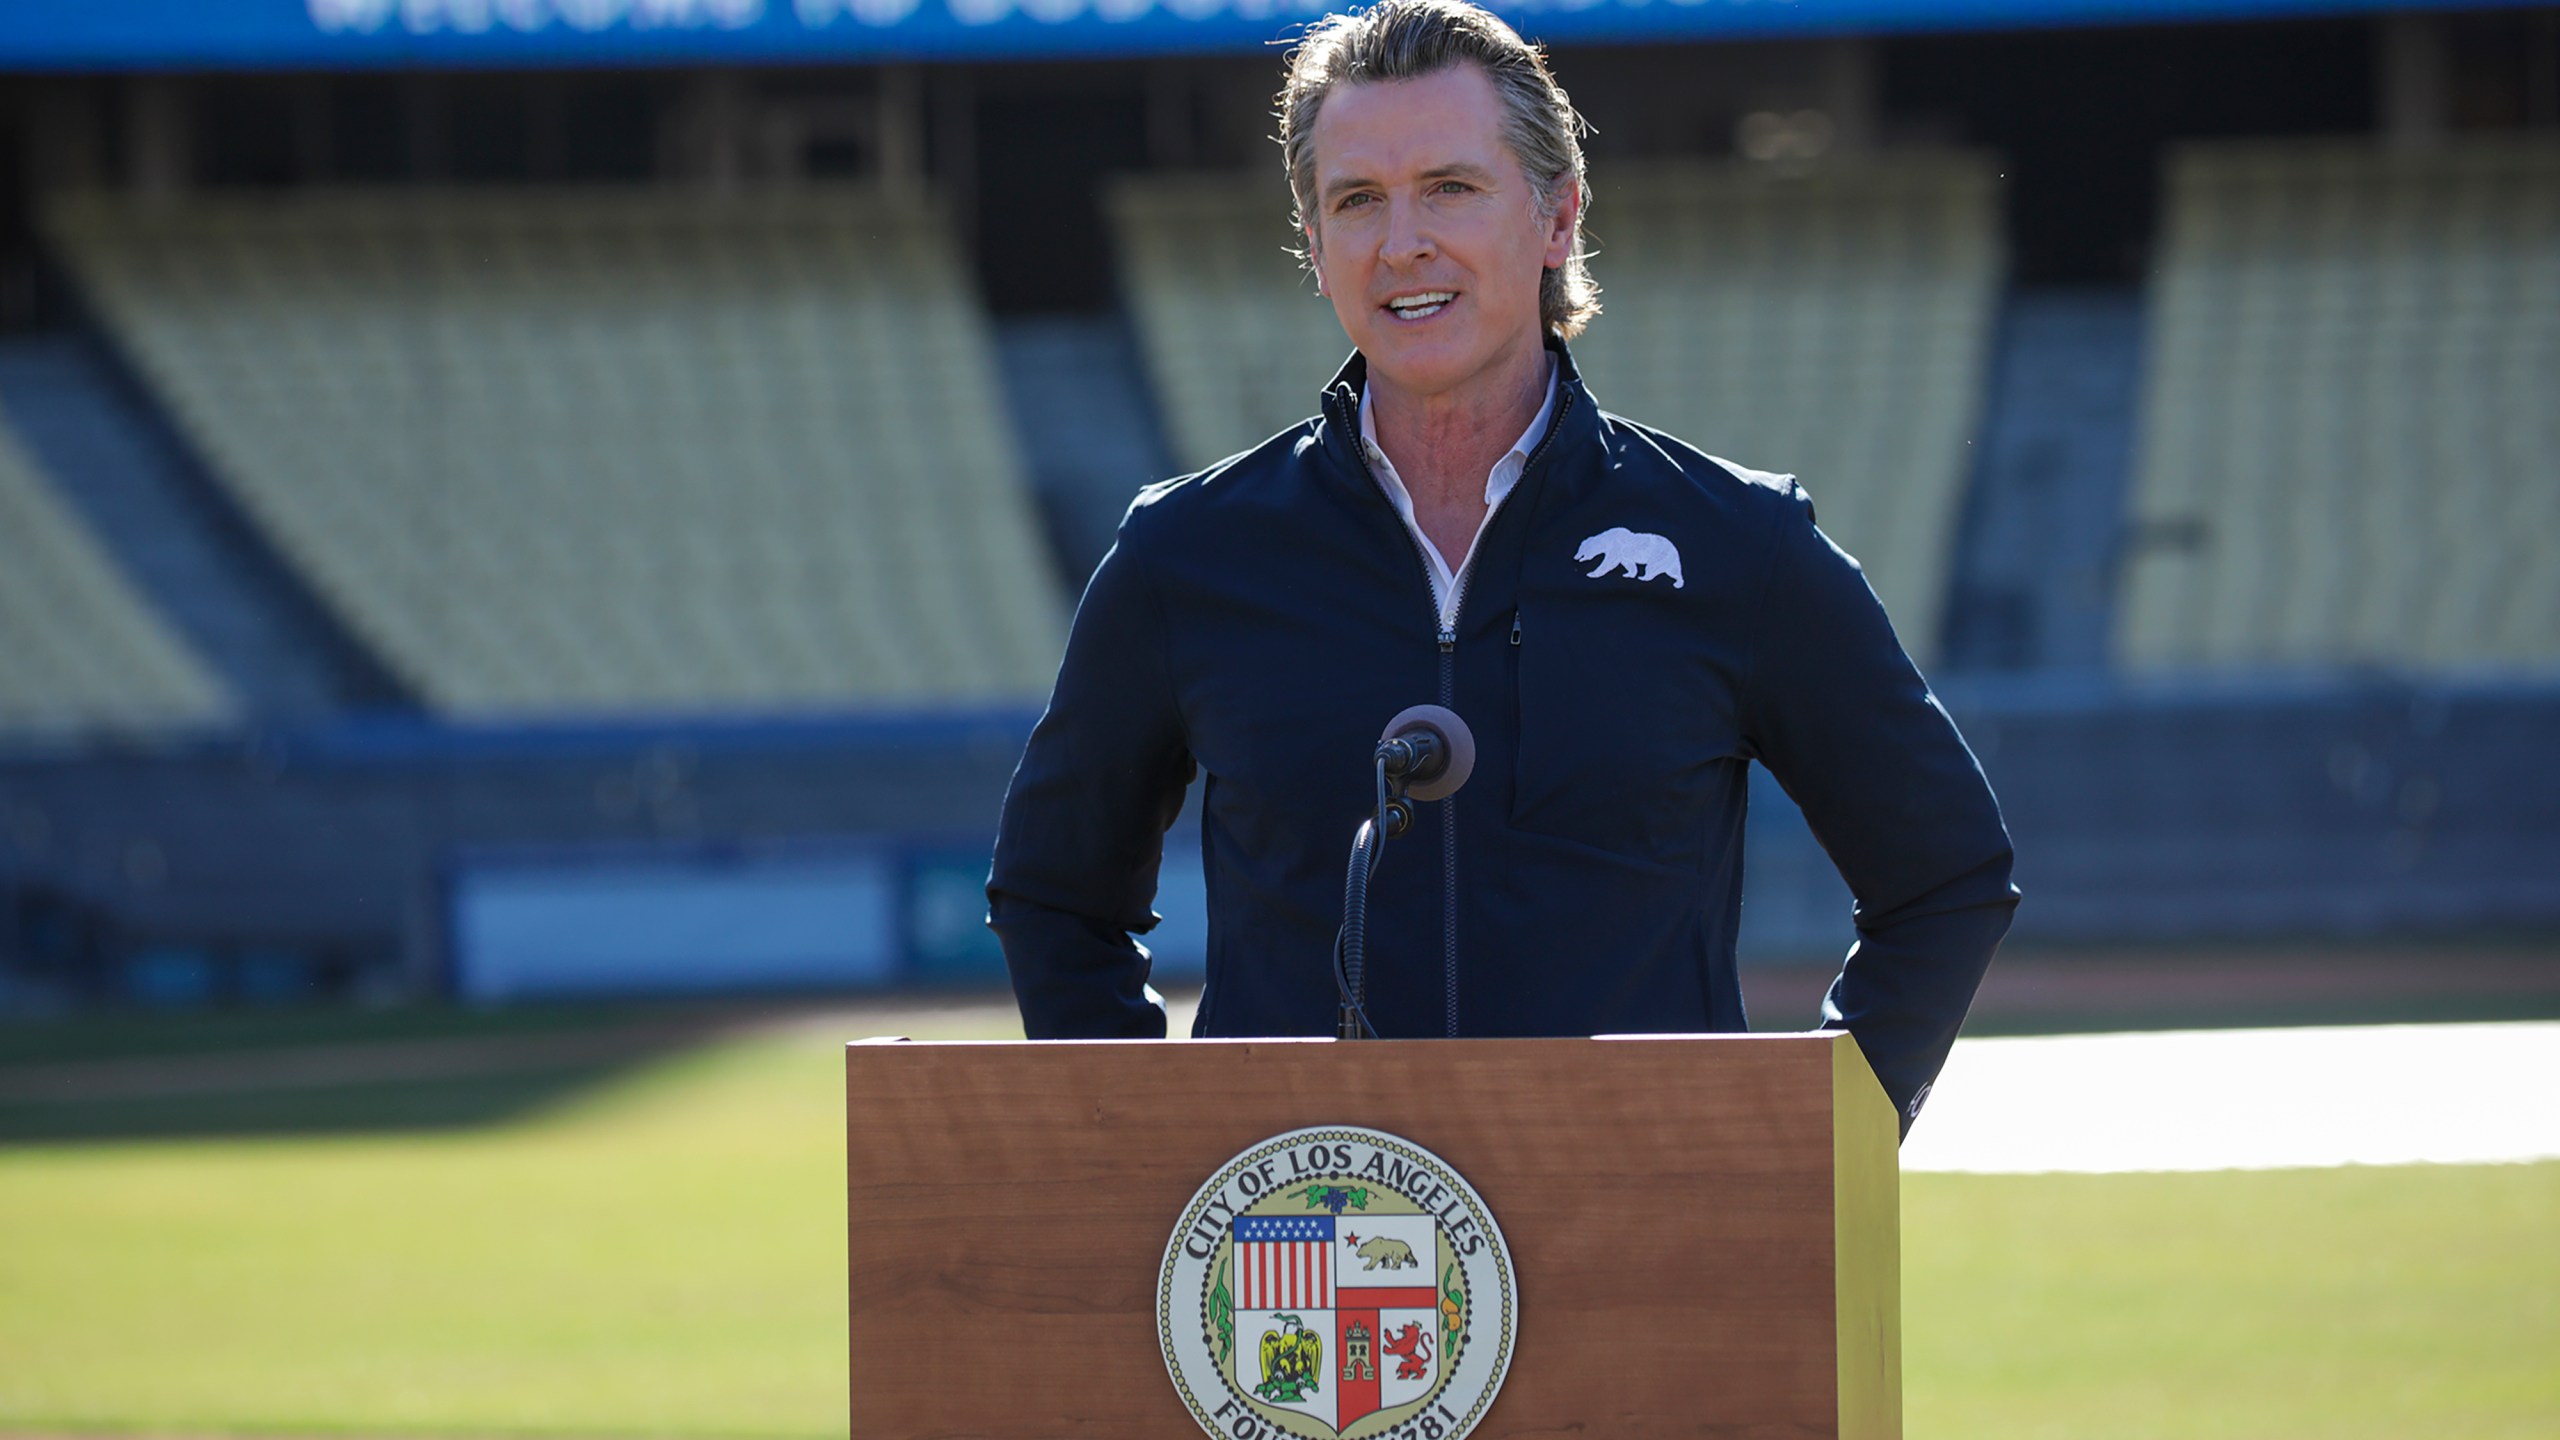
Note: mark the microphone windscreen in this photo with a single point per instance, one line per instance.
(1455, 737)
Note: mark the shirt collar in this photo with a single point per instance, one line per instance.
(1506, 471)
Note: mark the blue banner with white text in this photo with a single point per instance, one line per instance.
(341, 34)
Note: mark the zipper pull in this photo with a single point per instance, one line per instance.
(1448, 638)
(1515, 627)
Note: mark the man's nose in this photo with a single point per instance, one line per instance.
(1408, 233)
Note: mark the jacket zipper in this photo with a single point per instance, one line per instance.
(1445, 631)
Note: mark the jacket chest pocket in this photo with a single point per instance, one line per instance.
(1623, 713)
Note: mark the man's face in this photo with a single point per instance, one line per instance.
(1418, 198)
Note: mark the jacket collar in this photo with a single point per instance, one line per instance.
(1575, 425)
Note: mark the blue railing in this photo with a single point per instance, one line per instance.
(2297, 806)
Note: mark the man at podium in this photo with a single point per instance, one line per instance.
(1625, 622)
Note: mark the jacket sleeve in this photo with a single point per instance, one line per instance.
(1084, 820)
(1847, 725)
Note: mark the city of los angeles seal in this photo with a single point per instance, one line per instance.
(1337, 1282)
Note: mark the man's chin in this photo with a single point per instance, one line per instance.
(1422, 365)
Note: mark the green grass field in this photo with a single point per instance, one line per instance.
(651, 1246)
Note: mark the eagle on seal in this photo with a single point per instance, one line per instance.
(1292, 1358)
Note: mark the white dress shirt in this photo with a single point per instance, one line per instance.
(1506, 474)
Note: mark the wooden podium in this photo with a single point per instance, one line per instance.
(1705, 1228)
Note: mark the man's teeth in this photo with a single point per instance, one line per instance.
(1414, 307)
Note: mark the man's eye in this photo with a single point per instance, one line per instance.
(1350, 202)
(1453, 187)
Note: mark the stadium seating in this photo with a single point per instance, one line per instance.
(2351, 427)
(80, 649)
(1833, 324)
(564, 452)
(1237, 341)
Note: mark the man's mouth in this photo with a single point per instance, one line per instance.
(1422, 306)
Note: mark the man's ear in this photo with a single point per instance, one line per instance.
(1315, 255)
(1560, 225)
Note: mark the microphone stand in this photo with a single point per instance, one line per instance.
(1350, 957)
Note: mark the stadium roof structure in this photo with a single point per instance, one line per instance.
(84, 35)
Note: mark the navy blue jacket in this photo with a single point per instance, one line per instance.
(1260, 622)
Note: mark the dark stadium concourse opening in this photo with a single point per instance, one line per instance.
(17, 227)
(2081, 118)
(504, 127)
(1042, 159)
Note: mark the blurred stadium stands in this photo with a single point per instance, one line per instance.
(1082, 407)
(431, 543)
(2347, 455)
(599, 452)
(83, 650)
(1231, 323)
(1833, 324)
(2032, 578)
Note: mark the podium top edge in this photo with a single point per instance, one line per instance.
(1757, 1037)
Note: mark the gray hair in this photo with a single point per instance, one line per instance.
(1408, 39)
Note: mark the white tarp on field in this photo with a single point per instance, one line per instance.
(2245, 1100)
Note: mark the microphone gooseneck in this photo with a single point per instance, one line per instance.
(1426, 753)
(1351, 943)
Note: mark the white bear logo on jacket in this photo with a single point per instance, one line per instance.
(1640, 556)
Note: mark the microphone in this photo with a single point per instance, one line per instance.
(1426, 753)
(1429, 751)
